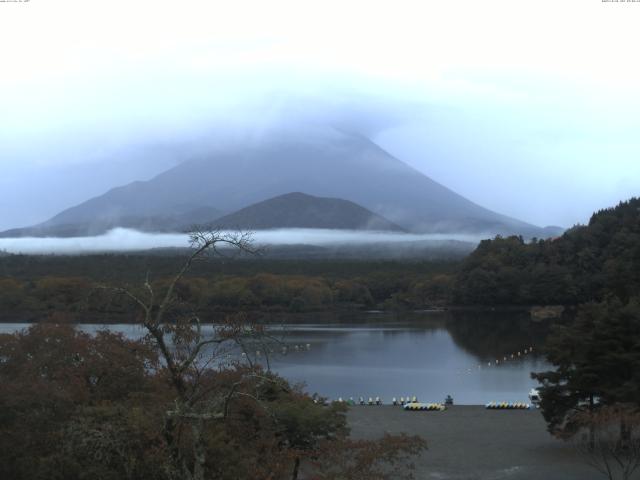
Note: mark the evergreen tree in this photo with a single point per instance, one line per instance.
(597, 360)
(586, 263)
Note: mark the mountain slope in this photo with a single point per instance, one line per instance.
(180, 220)
(318, 161)
(298, 210)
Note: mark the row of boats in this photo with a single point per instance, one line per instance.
(412, 403)
(507, 406)
(402, 401)
(438, 407)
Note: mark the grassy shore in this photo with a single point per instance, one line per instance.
(469, 442)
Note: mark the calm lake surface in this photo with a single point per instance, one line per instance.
(428, 355)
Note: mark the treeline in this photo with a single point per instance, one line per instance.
(586, 263)
(127, 267)
(210, 290)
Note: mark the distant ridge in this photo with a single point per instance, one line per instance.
(299, 210)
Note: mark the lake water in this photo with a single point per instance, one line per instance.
(428, 355)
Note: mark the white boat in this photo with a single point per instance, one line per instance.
(534, 396)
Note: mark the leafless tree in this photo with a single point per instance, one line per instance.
(187, 351)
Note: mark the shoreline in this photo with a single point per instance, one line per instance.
(316, 315)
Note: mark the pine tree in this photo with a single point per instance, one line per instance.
(597, 360)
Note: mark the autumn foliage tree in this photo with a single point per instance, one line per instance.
(50, 371)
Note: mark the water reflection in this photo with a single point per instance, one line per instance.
(429, 354)
(491, 333)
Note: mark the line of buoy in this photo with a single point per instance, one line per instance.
(361, 401)
(295, 348)
(507, 406)
(498, 361)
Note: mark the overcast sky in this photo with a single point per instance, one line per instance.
(527, 108)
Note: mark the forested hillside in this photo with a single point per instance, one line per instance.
(586, 263)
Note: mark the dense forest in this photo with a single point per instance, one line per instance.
(586, 263)
(35, 287)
